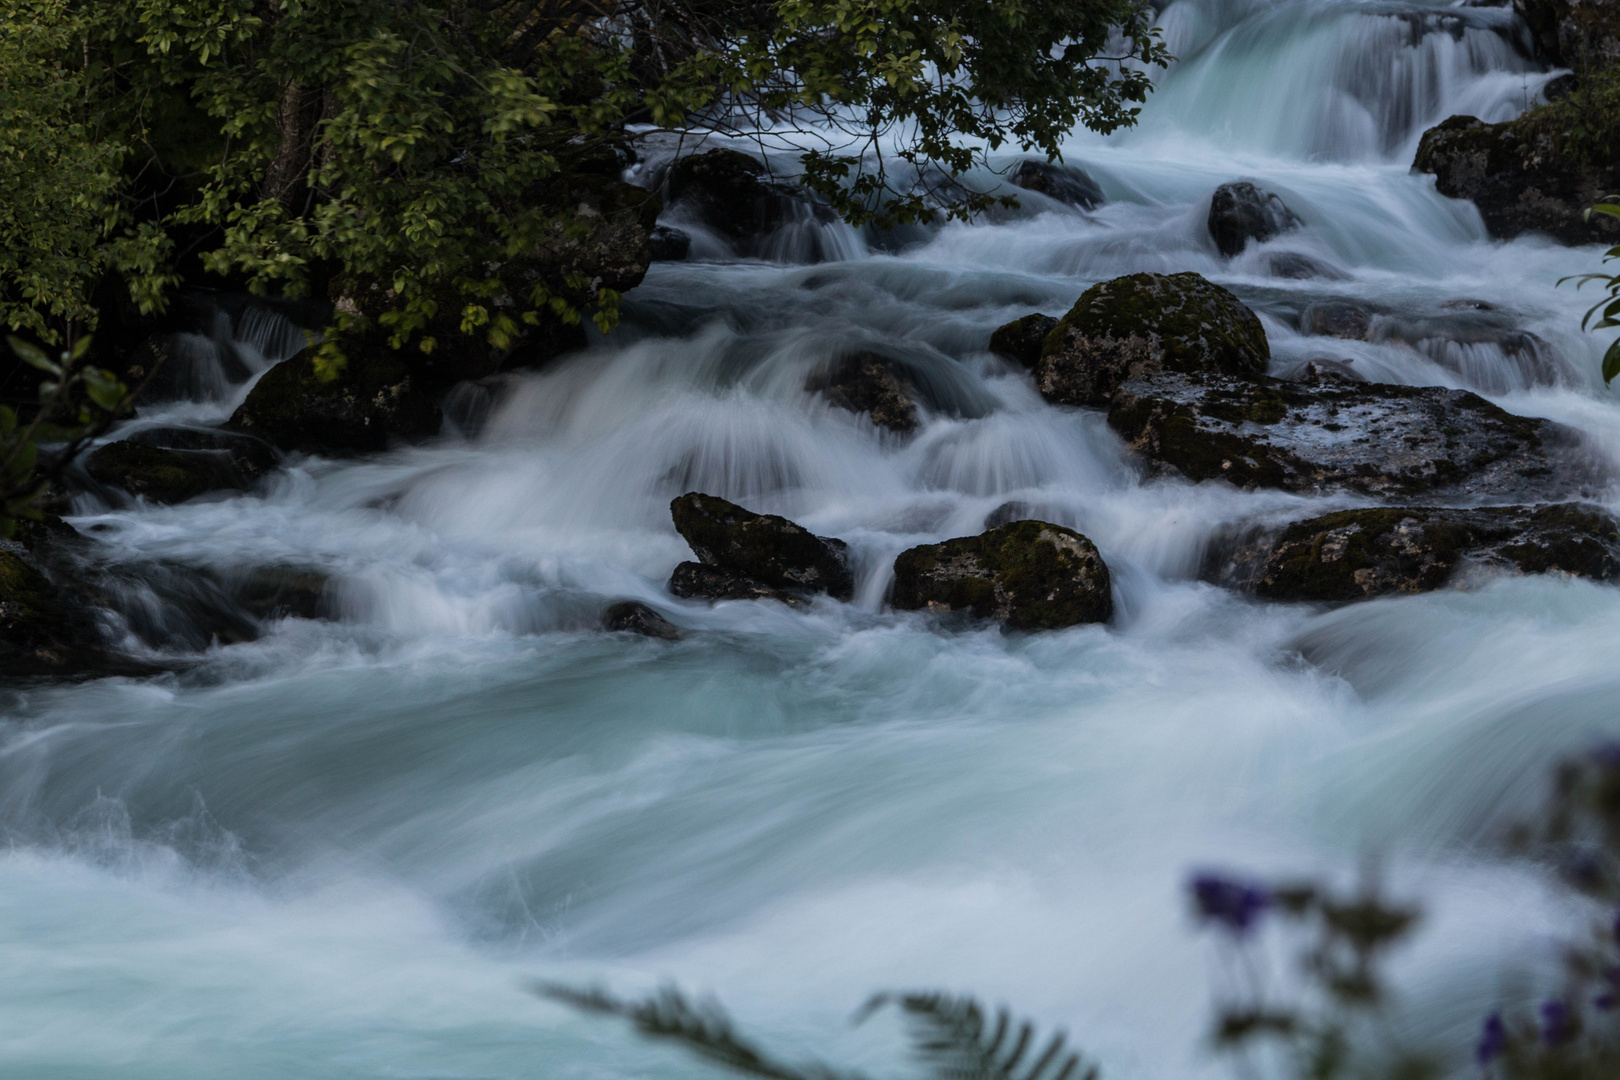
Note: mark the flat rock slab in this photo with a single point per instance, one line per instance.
(1360, 554)
(1376, 438)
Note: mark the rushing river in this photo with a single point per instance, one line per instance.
(344, 849)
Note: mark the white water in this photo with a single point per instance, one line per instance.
(343, 849)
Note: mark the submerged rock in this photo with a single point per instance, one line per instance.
(1337, 318)
(374, 401)
(1064, 183)
(1521, 178)
(1241, 211)
(1029, 575)
(1020, 340)
(744, 555)
(1358, 554)
(634, 617)
(864, 383)
(1369, 437)
(1141, 323)
(1293, 265)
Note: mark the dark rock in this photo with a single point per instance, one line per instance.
(772, 551)
(1573, 33)
(1030, 575)
(171, 465)
(670, 244)
(1133, 325)
(1337, 318)
(373, 402)
(1520, 179)
(1559, 88)
(163, 476)
(694, 581)
(1065, 183)
(1021, 339)
(1241, 211)
(634, 617)
(1293, 265)
(605, 236)
(863, 383)
(733, 194)
(43, 631)
(1358, 554)
(1369, 437)
(282, 592)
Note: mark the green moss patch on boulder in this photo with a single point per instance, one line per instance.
(740, 552)
(1029, 575)
(1359, 554)
(1141, 323)
(151, 472)
(373, 402)
(1333, 433)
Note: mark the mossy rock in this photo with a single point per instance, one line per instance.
(1028, 575)
(1022, 339)
(1359, 554)
(1142, 323)
(768, 550)
(152, 472)
(1332, 433)
(866, 384)
(374, 401)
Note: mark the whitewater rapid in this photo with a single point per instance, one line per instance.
(345, 849)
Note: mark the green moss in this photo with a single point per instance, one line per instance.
(1584, 126)
(1199, 325)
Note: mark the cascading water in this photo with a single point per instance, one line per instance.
(342, 849)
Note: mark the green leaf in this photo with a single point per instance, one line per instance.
(1611, 361)
(33, 355)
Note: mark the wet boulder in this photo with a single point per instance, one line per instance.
(1330, 434)
(734, 194)
(603, 234)
(1337, 318)
(1522, 177)
(1020, 340)
(172, 465)
(1294, 266)
(44, 630)
(1240, 212)
(634, 617)
(1141, 323)
(744, 555)
(373, 402)
(670, 244)
(1573, 33)
(1359, 554)
(1028, 575)
(865, 383)
(1064, 183)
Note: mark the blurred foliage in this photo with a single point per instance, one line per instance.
(1605, 314)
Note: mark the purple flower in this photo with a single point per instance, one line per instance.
(1235, 905)
(1557, 1025)
(1492, 1040)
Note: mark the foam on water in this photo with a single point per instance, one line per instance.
(341, 850)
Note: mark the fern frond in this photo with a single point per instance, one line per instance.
(951, 1036)
(704, 1028)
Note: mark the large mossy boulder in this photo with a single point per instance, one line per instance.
(866, 384)
(1336, 434)
(373, 402)
(1028, 575)
(1523, 175)
(1359, 554)
(43, 630)
(1240, 212)
(744, 555)
(1142, 323)
(171, 465)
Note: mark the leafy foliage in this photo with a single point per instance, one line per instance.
(950, 1036)
(1605, 314)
